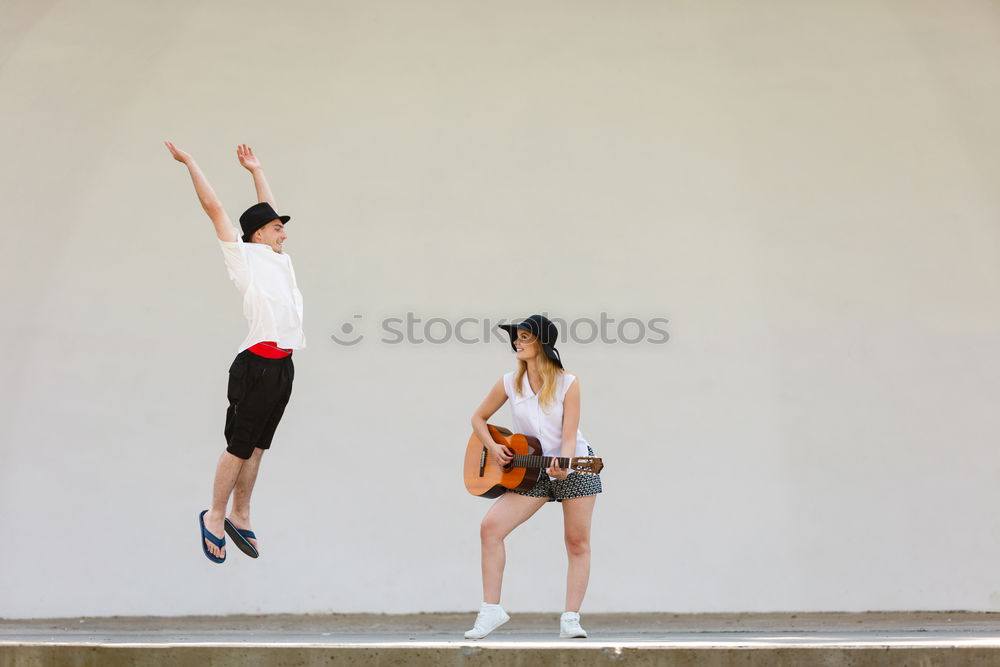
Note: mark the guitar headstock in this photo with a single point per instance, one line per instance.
(589, 465)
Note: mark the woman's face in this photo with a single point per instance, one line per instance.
(526, 345)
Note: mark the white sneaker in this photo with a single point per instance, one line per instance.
(491, 617)
(569, 626)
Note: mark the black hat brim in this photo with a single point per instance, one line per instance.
(550, 351)
(284, 220)
(510, 329)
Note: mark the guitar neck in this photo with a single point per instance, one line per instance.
(529, 461)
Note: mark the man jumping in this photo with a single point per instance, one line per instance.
(260, 379)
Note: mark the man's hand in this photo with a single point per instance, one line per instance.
(253, 165)
(247, 158)
(178, 154)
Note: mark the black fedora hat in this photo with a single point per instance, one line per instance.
(541, 328)
(256, 217)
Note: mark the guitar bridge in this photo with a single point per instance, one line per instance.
(482, 462)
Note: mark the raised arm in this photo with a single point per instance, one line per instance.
(206, 195)
(252, 164)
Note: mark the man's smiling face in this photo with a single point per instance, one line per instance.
(272, 234)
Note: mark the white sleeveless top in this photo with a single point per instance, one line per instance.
(545, 424)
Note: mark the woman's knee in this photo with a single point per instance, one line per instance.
(577, 544)
(490, 531)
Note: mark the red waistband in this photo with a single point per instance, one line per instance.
(269, 350)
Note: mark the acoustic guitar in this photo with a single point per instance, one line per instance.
(486, 479)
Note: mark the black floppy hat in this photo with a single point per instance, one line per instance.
(541, 328)
(256, 217)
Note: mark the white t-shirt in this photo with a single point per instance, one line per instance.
(272, 302)
(546, 424)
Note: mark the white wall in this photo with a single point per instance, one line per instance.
(807, 190)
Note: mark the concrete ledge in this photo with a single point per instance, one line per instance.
(528, 640)
(494, 656)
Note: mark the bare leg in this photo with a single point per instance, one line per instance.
(577, 513)
(226, 474)
(240, 515)
(507, 513)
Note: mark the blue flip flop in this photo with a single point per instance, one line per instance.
(241, 538)
(206, 535)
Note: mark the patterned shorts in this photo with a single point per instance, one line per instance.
(576, 485)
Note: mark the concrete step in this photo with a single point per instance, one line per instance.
(712, 640)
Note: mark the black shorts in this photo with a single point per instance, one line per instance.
(259, 389)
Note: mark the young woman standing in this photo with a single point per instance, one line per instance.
(545, 403)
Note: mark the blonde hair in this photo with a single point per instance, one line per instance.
(550, 372)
